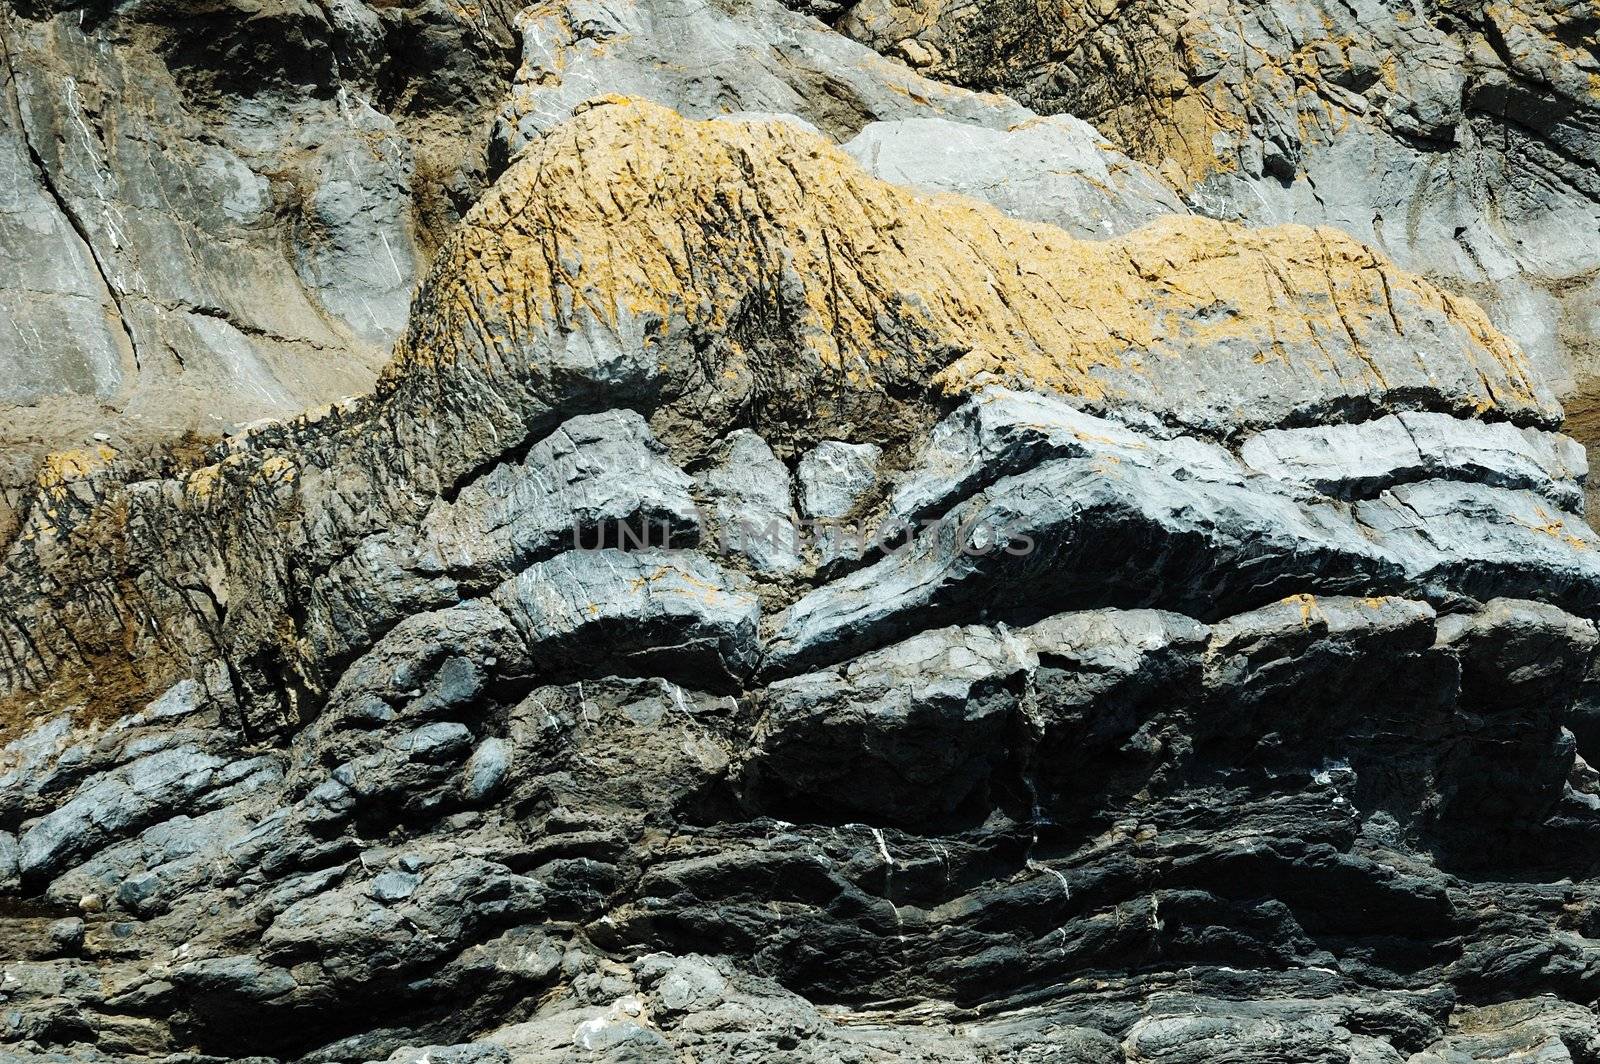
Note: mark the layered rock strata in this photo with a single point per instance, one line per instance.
(1197, 665)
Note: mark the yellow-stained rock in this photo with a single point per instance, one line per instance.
(630, 211)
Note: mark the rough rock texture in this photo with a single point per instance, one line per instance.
(838, 568)
(760, 313)
(216, 215)
(1460, 137)
(211, 213)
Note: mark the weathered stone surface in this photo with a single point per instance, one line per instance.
(1001, 432)
(1077, 531)
(922, 721)
(1203, 276)
(156, 784)
(1054, 169)
(1485, 541)
(835, 482)
(1361, 460)
(1208, 722)
(1461, 139)
(750, 502)
(835, 477)
(754, 56)
(628, 324)
(672, 613)
(215, 215)
(577, 487)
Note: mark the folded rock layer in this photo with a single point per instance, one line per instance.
(1462, 138)
(1196, 663)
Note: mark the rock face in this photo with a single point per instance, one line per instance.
(1461, 138)
(213, 213)
(836, 568)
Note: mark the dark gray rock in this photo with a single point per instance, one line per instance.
(904, 733)
(464, 1053)
(580, 486)
(66, 935)
(1001, 432)
(486, 770)
(116, 804)
(10, 862)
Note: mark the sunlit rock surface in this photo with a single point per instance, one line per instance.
(836, 568)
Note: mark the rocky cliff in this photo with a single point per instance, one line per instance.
(836, 566)
(1461, 138)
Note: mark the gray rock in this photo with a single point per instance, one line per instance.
(394, 671)
(691, 985)
(1277, 759)
(355, 938)
(1464, 536)
(393, 886)
(1241, 1032)
(670, 612)
(463, 1053)
(580, 486)
(238, 976)
(834, 477)
(1516, 653)
(434, 742)
(834, 481)
(486, 770)
(1276, 652)
(571, 52)
(1534, 1029)
(1361, 460)
(184, 698)
(66, 935)
(201, 239)
(1057, 170)
(1421, 123)
(1000, 432)
(905, 732)
(747, 494)
(1098, 712)
(917, 729)
(10, 862)
(113, 805)
(1029, 539)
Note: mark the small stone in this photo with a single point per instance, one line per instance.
(393, 886)
(10, 862)
(486, 769)
(691, 985)
(66, 935)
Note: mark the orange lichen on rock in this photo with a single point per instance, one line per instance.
(632, 212)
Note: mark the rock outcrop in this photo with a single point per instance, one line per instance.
(214, 213)
(1458, 137)
(766, 612)
(838, 567)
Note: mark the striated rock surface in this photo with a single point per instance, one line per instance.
(213, 213)
(837, 568)
(1461, 138)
